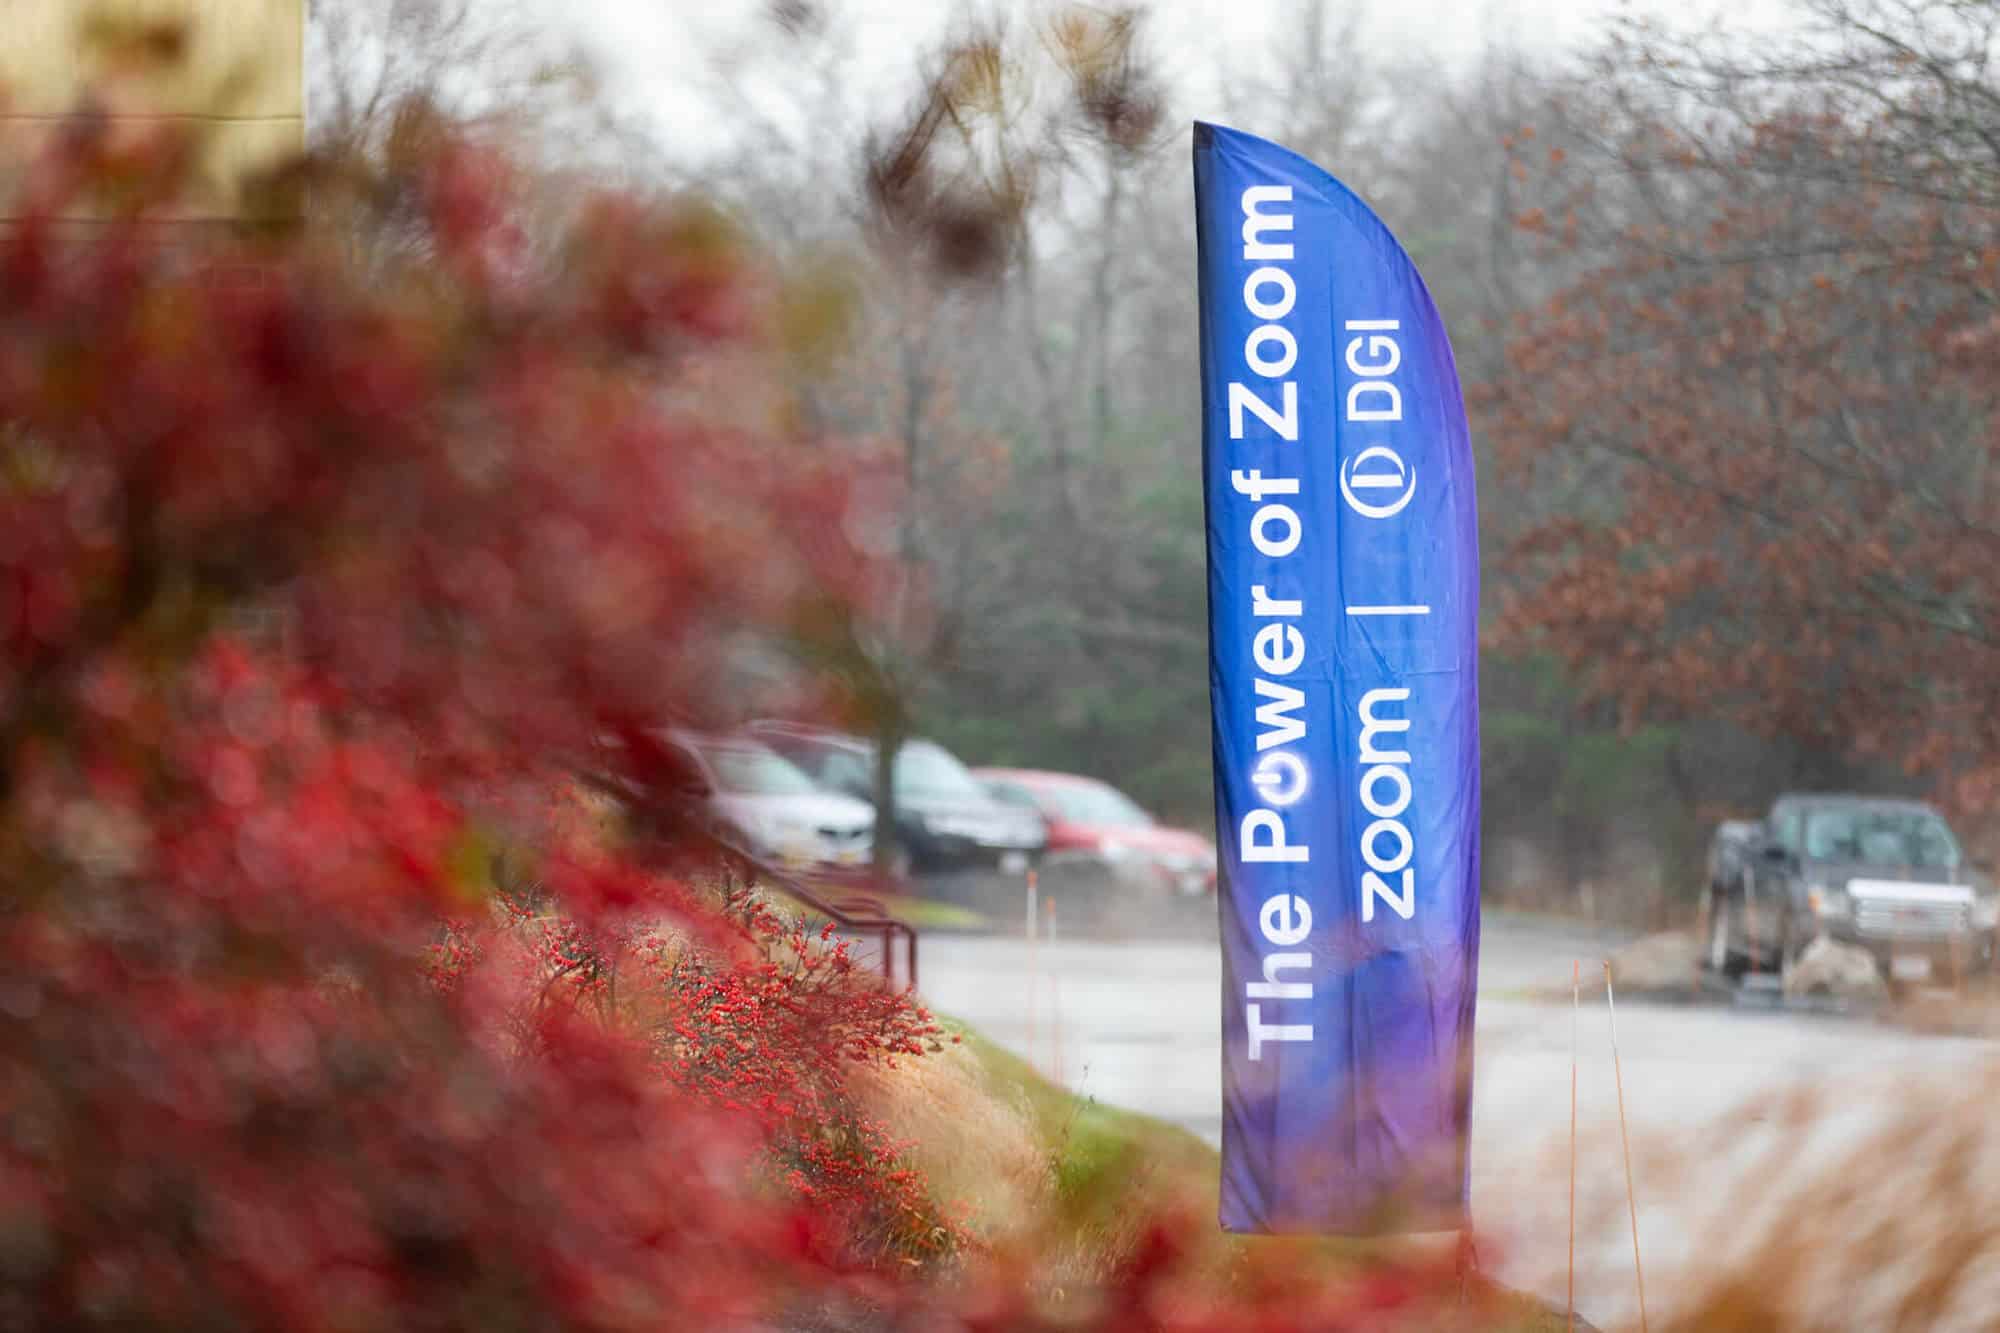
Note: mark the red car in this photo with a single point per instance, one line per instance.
(1092, 824)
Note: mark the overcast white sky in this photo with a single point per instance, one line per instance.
(654, 50)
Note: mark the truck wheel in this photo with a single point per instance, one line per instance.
(1723, 957)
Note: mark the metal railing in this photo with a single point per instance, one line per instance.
(830, 897)
(854, 912)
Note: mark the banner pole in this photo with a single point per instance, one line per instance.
(1055, 1025)
(1034, 970)
(1631, 1202)
(1575, 1007)
(1468, 1261)
(1055, 996)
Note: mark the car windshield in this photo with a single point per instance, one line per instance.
(755, 771)
(1914, 838)
(926, 771)
(1091, 803)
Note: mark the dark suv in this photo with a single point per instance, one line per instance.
(1883, 874)
(945, 818)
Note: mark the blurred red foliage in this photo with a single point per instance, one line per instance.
(317, 551)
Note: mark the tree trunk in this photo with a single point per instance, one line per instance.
(1685, 846)
(889, 729)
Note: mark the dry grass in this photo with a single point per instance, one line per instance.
(1869, 1206)
(1024, 1161)
(980, 1151)
(1972, 1012)
(1867, 1202)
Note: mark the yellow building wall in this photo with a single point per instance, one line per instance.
(228, 72)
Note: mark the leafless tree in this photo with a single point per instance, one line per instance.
(481, 65)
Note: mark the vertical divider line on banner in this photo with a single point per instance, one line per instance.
(1625, 1141)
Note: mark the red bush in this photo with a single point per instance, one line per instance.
(773, 1039)
(303, 579)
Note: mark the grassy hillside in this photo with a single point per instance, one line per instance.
(1071, 1188)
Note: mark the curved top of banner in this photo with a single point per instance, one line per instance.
(1274, 158)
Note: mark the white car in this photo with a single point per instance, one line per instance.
(760, 801)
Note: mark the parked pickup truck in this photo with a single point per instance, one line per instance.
(1883, 874)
